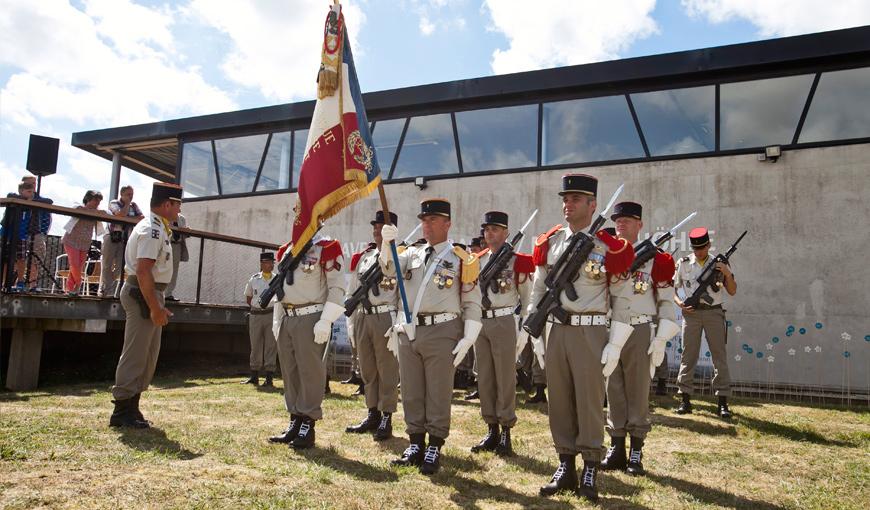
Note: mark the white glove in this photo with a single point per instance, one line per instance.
(323, 327)
(389, 233)
(392, 337)
(350, 334)
(522, 337)
(665, 331)
(539, 349)
(619, 333)
(472, 329)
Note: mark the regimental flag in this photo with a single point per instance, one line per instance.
(340, 164)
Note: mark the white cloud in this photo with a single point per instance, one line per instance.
(433, 17)
(276, 45)
(550, 33)
(784, 17)
(426, 26)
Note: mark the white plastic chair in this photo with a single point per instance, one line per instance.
(60, 275)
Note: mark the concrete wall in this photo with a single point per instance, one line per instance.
(802, 271)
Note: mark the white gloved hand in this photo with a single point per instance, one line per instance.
(388, 233)
(350, 334)
(472, 329)
(392, 337)
(619, 333)
(323, 327)
(666, 330)
(539, 349)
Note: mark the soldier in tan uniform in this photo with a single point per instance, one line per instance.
(264, 348)
(369, 323)
(709, 318)
(302, 324)
(441, 286)
(499, 342)
(148, 264)
(644, 294)
(577, 349)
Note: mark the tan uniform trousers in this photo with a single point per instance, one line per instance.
(264, 348)
(302, 366)
(141, 348)
(663, 370)
(576, 389)
(111, 262)
(426, 368)
(379, 367)
(628, 388)
(495, 351)
(712, 322)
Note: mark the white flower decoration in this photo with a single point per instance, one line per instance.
(846, 336)
(791, 352)
(818, 348)
(737, 357)
(769, 346)
(807, 349)
(770, 359)
(738, 329)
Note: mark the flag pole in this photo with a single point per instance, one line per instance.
(386, 210)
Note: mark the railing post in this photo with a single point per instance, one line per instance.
(199, 270)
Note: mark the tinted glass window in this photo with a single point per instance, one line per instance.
(238, 161)
(763, 112)
(386, 139)
(428, 148)
(300, 138)
(276, 168)
(197, 170)
(679, 121)
(498, 138)
(597, 129)
(840, 107)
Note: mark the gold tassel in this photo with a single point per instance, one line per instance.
(327, 82)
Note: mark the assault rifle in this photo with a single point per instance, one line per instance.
(286, 268)
(710, 276)
(645, 250)
(561, 277)
(497, 263)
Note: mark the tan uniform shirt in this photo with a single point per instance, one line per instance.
(686, 278)
(513, 287)
(256, 285)
(150, 240)
(591, 285)
(442, 293)
(636, 294)
(313, 282)
(387, 288)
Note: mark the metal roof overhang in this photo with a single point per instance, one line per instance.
(152, 149)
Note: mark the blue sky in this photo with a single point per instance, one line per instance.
(91, 64)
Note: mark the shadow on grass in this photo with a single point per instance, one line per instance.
(330, 458)
(532, 465)
(701, 427)
(791, 433)
(710, 495)
(154, 440)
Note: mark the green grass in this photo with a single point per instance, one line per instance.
(209, 449)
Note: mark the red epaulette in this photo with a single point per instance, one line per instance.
(523, 263)
(542, 246)
(329, 250)
(483, 252)
(663, 268)
(355, 258)
(284, 247)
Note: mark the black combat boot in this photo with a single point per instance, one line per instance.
(635, 457)
(290, 433)
(489, 441)
(385, 428)
(369, 424)
(662, 386)
(504, 448)
(268, 382)
(413, 454)
(565, 477)
(136, 412)
(327, 390)
(540, 396)
(615, 459)
(524, 380)
(472, 395)
(353, 379)
(305, 438)
(254, 379)
(361, 391)
(685, 405)
(124, 416)
(587, 488)
(432, 456)
(723, 410)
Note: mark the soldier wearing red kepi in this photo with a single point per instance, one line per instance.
(499, 343)
(577, 348)
(707, 317)
(643, 294)
(302, 324)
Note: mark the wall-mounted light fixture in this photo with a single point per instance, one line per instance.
(771, 154)
(420, 182)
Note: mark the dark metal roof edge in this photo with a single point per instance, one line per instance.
(787, 51)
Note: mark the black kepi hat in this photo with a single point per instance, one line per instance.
(434, 206)
(579, 183)
(699, 237)
(165, 190)
(267, 256)
(379, 218)
(627, 210)
(497, 218)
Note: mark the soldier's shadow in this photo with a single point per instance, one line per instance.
(701, 427)
(330, 458)
(711, 495)
(154, 440)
